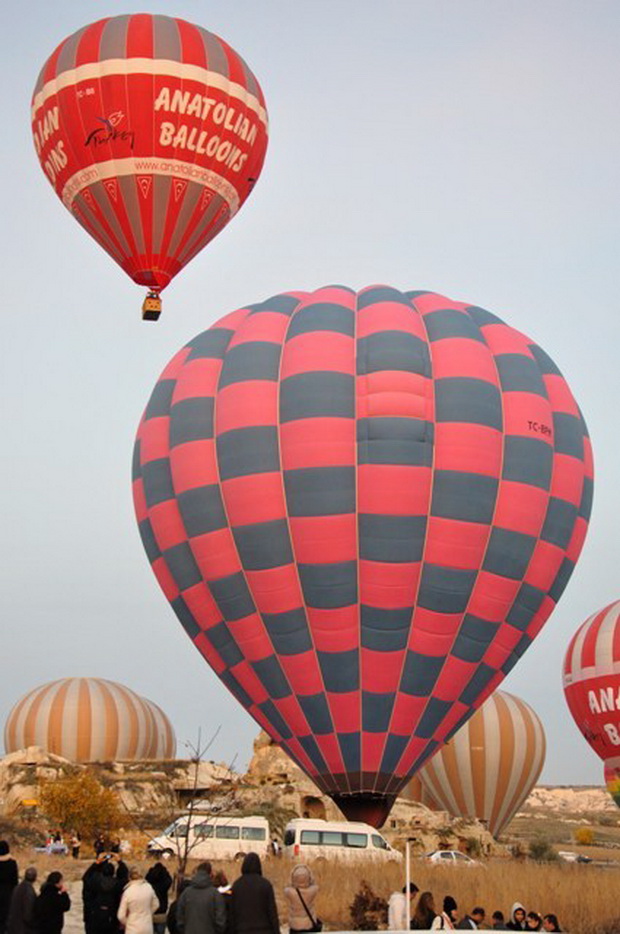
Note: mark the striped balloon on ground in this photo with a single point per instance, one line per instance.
(488, 768)
(152, 132)
(362, 507)
(89, 720)
(592, 688)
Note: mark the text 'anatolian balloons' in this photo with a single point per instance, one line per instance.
(153, 132)
(592, 687)
(362, 506)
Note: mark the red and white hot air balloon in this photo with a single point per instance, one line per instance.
(592, 688)
(152, 132)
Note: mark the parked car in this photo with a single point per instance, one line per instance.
(570, 857)
(450, 858)
(218, 837)
(54, 848)
(310, 839)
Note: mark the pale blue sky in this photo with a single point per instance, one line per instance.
(466, 146)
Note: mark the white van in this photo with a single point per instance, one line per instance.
(346, 840)
(218, 837)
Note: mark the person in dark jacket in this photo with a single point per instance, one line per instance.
(472, 922)
(160, 880)
(201, 907)
(171, 920)
(551, 923)
(253, 907)
(8, 881)
(51, 905)
(21, 910)
(105, 899)
(425, 913)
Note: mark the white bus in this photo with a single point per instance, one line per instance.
(308, 839)
(218, 837)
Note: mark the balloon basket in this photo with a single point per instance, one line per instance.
(151, 307)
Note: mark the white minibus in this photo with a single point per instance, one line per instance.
(218, 837)
(308, 839)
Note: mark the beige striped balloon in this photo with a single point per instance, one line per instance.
(489, 767)
(90, 720)
(418, 793)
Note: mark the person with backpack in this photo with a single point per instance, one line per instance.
(447, 920)
(300, 897)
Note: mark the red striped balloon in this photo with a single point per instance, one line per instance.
(592, 686)
(153, 132)
(362, 506)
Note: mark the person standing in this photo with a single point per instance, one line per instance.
(8, 881)
(447, 920)
(300, 897)
(51, 905)
(105, 901)
(76, 843)
(253, 907)
(21, 918)
(138, 905)
(399, 908)
(425, 914)
(201, 909)
(161, 880)
(472, 921)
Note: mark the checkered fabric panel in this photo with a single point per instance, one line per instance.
(362, 508)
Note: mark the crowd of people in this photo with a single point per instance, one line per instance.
(22, 909)
(416, 911)
(119, 899)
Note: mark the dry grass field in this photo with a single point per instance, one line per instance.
(584, 897)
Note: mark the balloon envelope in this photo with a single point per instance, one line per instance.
(152, 132)
(488, 768)
(362, 507)
(89, 720)
(592, 682)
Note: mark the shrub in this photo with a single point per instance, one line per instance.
(584, 836)
(541, 850)
(367, 910)
(473, 847)
(79, 802)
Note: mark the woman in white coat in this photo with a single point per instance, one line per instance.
(138, 905)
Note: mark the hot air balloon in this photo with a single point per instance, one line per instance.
(153, 132)
(592, 688)
(362, 507)
(488, 768)
(418, 793)
(89, 720)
